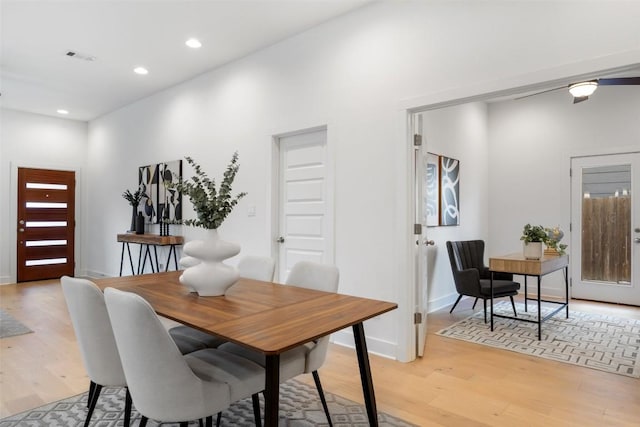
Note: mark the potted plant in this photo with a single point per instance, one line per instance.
(552, 241)
(533, 236)
(205, 272)
(134, 200)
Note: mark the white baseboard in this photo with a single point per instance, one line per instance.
(442, 302)
(374, 345)
(5, 280)
(95, 274)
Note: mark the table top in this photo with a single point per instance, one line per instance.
(516, 263)
(267, 317)
(150, 239)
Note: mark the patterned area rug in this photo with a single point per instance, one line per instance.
(299, 407)
(596, 341)
(10, 327)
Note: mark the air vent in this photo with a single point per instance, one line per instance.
(82, 56)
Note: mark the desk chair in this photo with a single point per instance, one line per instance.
(472, 277)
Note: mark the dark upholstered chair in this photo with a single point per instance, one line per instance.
(472, 277)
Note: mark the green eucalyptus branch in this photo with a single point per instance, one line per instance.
(212, 205)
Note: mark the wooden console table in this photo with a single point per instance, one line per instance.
(518, 264)
(146, 240)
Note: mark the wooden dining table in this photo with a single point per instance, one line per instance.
(266, 317)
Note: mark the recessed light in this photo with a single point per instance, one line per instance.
(61, 111)
(141, 70)
(193, 43)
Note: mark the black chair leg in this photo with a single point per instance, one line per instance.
(92, 404)
(127, 408)
(143, 421)
(184, 423)
(92, 389)
(256, 409)
(218, 419)
(209, 421)
(200, 423)
(454, 305)
(484, 301)
(316, 379)
(474, 304)
(513, 305)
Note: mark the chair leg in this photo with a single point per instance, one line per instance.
(513, 305)
(127, 408)
(184, 424)
(200, 422)
(218, 419)
(256, 409)
(474, 304)
(92, 404)
(316, 379)
(92, 389)
(143, 421)
(209, 421)
(484, 301)
(454, 305)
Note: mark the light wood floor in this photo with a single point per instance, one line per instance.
(455, 384)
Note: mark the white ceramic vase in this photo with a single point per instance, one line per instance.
(207, 274)
(532, 250)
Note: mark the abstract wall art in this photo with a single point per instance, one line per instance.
(449, 191)
(440, 190)
(160, 202)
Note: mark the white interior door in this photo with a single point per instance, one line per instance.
(305, 201)
(423, 180)
(605, 238)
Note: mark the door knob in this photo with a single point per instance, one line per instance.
(280, 239)
(21, 222)
(430, 243)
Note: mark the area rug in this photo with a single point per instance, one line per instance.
(299, 407)
(606, 343)
(10, 327)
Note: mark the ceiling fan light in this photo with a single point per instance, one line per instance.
(582, 89)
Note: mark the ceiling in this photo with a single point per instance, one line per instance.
(37, 75)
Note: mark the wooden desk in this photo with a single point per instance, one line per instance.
(518, 264)
(266, 317)
(146, 240)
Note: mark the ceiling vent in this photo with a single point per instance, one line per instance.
(82, 56)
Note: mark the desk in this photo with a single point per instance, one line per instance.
(266, 317)
(146, 240)
(518, 264)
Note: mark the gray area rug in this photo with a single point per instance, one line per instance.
(606, 343)
(299, 407)
(10, 327)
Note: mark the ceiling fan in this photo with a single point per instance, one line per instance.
(582, 90)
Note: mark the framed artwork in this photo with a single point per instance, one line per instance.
(148, 182)
(449, 191)
(169, 200)
(431, 187)
(159, 201)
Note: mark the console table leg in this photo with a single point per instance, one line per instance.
(491, 287)
(539, 313)
(130, 259)
(525, 294)
(121, 258)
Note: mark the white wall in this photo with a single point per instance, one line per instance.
(532, 142)
(460, 132)
(32, 140)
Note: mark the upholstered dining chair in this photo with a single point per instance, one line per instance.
(257, 268)
(309, 357)
(95, 338)
(166, 385)
(91, 324)
(472, 278)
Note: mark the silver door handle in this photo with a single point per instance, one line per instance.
(280, 239)
(426, 242)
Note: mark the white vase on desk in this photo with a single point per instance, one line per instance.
(207, 274)
(532, 250)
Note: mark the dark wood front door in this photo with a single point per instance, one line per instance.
(46, 224)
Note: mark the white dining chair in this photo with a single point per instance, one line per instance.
(166, 385)
(257, 268)
(309, 357)
(95, 338)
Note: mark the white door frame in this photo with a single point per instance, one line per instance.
(539, 80)
(275, 194)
